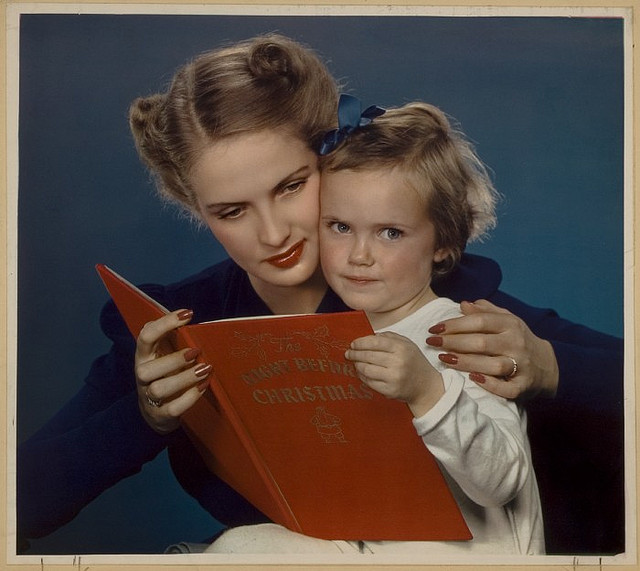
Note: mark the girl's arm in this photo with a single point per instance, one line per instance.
(480, 439)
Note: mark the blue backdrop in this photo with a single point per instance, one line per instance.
(541, 97)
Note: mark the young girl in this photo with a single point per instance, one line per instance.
(400, 198)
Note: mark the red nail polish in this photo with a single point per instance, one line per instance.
(434, 341)
(185, 314)
(202, 370)
(202, 385)
(448, 358)
(191, 354)
(438, 328)
(477, 377)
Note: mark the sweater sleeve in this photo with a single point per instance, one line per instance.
(98, 438)
(590, 363)
(577, 438)
(479, 439)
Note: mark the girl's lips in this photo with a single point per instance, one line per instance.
(289, 258)
(359, 280)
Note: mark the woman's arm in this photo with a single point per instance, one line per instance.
(97, 439)
(555, 357)
(87, 447)
(576, 437)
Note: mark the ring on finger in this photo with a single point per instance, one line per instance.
(153, 402)
(514, 370)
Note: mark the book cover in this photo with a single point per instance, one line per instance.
(290, 426)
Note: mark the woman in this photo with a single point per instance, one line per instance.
(233, 142)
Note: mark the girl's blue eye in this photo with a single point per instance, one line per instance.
(392, 233)
(340, 227)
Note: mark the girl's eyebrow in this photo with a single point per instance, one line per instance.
(303, 170)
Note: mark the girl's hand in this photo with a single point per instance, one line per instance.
(498, 350)
(396, 368)
(168, 382)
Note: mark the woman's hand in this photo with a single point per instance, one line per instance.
(396, 368)
(498, 350)
(168, 382)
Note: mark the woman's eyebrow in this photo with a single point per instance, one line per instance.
(218, 205)
(303, 170)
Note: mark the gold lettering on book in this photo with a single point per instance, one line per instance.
(267, 371)
(285, 344)
(321, 393)
(261, 344)
(282, 367)
(325, 366)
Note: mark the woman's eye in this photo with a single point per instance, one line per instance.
(293, 187)
(230, 213)
(391, 233)
(340, 227)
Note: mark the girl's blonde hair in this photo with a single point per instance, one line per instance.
(437, 161)
(267, 82)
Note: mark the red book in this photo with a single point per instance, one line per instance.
(288, 424)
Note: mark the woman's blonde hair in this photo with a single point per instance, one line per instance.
(267, 82)
(437, 161)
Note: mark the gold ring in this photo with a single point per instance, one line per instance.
(154, 403)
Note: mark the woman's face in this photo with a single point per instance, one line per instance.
(259, 195)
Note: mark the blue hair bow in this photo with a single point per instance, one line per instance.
(350, 117)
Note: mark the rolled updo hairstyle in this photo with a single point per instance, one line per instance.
(437, 161)
(267, 82)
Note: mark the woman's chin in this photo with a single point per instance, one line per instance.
(299, 275)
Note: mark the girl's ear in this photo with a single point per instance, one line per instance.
(441, 255)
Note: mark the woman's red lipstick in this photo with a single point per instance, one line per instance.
(289, 258)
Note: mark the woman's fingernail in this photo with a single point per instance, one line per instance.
(448, 358)
(202, 370)
(434, 341)
(191, 354)
(438, 328)
(478, 378)
(185, 314)
(202, 385)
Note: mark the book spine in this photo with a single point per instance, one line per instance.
(289, 519)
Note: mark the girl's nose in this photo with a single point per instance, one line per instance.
(360, 253)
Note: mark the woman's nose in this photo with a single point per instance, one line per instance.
(274, 228)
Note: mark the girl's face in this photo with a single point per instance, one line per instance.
(258, 193)
(377, 243)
